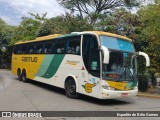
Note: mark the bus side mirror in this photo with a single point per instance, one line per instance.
(105, 55)
(146, 57)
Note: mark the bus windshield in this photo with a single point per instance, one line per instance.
(123, 62)
(117, 44)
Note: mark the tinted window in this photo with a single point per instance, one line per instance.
(89, 42)
(20, 49)
(31, 49)
(94, 62)
(15, 49)
(91, 54)
(24, 48)
(39, 48)
(48, 48)
(60, 46)
(73, 46)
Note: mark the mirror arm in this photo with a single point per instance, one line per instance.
(106, 54)
(146, 57)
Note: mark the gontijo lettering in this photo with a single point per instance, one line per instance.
(29, 59)
(72, 62)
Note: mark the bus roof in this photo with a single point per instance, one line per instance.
(47, 38)
(73, 34)
(40, 38)
(109, 34)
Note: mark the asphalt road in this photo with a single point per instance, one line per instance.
(34, 96)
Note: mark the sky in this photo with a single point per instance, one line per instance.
(11, 11)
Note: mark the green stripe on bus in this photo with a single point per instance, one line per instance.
(53, 66)
(134, 83)
(129, 84)
(44, 66)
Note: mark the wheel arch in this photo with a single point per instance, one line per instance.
(75, 80)
(24, 69)
(19, 69)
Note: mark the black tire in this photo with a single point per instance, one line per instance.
(70, 89)
(24, 78)
(19, 75)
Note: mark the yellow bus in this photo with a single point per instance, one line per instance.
(94, 63)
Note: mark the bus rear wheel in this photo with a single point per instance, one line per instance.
(24, 78)
(19, 75)
(70, 89)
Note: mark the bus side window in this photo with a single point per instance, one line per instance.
(31, 49)
(20, 49)
(16, 49)
(73, 46)
(53, 47)
(39, 48)
(48, 48)
(24, 49)
(59, 46)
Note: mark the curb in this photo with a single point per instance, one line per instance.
(148, 95)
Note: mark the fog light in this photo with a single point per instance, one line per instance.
(105, 95)
(135, 88)
(107, 87)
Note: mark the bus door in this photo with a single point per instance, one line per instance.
(91, 73)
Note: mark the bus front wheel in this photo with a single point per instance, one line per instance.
(70, 89)
(24, 78)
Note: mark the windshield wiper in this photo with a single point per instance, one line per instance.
(130, 72)
(125, 73)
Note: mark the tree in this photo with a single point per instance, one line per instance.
(39, 18)
(26, 30)
(63, 24)
(92, 8)
(148, 38)
(120, 21)
(150, 18)
(2, 40)
(6, 34)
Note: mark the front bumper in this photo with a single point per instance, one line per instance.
(110, 94)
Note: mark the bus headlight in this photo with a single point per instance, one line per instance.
(135, 88)
(108, 87)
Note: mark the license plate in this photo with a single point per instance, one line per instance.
(124, 94)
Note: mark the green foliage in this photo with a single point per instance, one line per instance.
(26, 30)
(121, 22)
(6, 33)
(91, 8)
(143, 83)
(150, 19)
(2, 22)
(63, 24)
(38, 17)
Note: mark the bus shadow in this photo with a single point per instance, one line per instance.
(108, 102)
(44, 86)
(84, 98)
(48, 87)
